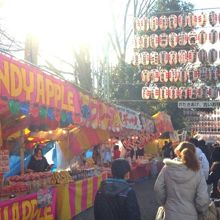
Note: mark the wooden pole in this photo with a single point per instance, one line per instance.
(22, 152)
(1, 141)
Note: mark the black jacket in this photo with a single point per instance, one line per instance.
(213, 178)
(116, 200)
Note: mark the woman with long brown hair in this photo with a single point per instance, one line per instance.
(181, 187)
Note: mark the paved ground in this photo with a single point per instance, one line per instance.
(146, 199)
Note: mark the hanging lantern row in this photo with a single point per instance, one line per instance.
(173, 39)
(179, 75)
(172, 58)
(173, 21)
(174, 92)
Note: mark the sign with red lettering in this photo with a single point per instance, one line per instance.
(26, 208)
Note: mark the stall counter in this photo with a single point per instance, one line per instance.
(27, 207)
(78, 196)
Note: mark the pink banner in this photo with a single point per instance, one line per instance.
(25, 83)
(26, 207)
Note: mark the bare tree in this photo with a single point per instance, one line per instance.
(140, 8)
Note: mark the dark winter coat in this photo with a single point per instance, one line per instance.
(116, 200)
(213, 178)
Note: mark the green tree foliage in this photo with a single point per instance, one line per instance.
(83, 68)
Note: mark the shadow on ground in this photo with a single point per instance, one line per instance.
(146, 199)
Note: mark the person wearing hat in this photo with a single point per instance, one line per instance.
(115, 199)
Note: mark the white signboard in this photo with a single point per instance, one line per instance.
(198, 104)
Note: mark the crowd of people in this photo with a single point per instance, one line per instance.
(181, 188)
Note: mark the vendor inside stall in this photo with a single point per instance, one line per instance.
(38, 163)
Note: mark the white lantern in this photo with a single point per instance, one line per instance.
(182, 38)
(163, 40)
(154, 41)
(202, 19)
(182, 21)
(213, 92)
(155, 75)
(155, 94)
(145, 40)
(213, 73)
(138, 42)
(213, 36)
(154, 58)
(173, 75)
(137, 25)
(136, 59)
(183, 76)
(163, 58)
(202, 37)
(173, 92)
(146, 76)
(172, 22)
(212, 55)
(163, 22)
(145, 58)
(213, 18)
(192, 55)
(202, 92)
(173, 39)
(192, 37)
(183, 93)
(192, 91)
(173, 58)
(182, 56)
(146, 92)
(154, 23)
(193, 75)
(192, 20)
(203, 73)
(144, 23)
(202, 55)
(164, 92)
(164, 75)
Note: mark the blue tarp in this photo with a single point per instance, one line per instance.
(14, 160)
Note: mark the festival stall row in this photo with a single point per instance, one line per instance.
(37, 108)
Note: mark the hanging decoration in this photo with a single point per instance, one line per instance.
(202, 37)
(154, 41)
(164, 76)
(172, 22)
(202, 55)
(212, 56)
(182, 21)
(213, 18)
(175, 51)
(173, 39)
(43, 112)
(154, 58)
(213, 36)
(182, 38)
(182, 56)
(163, 22)
(25, 108)
(14, 107)
(191, 20)
(163, 58)
(50, 113)
(154, 23)
(146, 76)
(163, 40)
